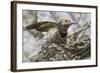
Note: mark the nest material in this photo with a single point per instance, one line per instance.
(54, 52)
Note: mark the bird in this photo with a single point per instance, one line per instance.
(62, 28)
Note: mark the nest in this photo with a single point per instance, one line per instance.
(54, 52)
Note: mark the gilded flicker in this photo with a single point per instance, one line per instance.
(61, 34)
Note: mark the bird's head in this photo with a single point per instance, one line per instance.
(68, 23)
(65, 24)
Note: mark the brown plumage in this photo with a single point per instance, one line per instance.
(42, 26)
(61, 34)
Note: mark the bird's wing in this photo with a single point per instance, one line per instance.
(35, 25)
(47, 25)
(42, 26)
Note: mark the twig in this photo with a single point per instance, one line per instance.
(79, 30)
